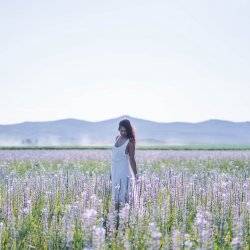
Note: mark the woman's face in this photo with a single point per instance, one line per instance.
(123, 131)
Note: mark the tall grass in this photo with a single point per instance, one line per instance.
(178, 203)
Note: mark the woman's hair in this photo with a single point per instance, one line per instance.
(130, 130)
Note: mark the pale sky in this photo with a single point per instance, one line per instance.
(94, 60)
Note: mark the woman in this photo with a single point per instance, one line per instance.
(123, 167)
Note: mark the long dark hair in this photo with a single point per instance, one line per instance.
(130, 130)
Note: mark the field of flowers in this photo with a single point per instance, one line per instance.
(61, 199)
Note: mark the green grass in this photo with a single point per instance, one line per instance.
(168, 200)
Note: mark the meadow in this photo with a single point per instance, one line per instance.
(184, 199)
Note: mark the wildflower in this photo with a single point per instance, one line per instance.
(155, 236)
(98, 237)
(89, 217)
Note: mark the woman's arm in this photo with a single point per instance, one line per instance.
(131, 152)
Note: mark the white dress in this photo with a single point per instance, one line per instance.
(122, 175)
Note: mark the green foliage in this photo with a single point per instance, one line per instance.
(163, 202)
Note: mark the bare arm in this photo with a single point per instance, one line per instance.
(131, 152)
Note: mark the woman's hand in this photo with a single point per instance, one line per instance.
(137, 178)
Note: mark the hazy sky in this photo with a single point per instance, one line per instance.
(95, 60)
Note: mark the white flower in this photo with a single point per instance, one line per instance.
(90, 216)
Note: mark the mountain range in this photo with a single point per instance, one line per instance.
(81, 132)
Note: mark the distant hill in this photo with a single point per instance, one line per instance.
(81, 132)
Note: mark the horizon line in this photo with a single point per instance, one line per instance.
(124, 117)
